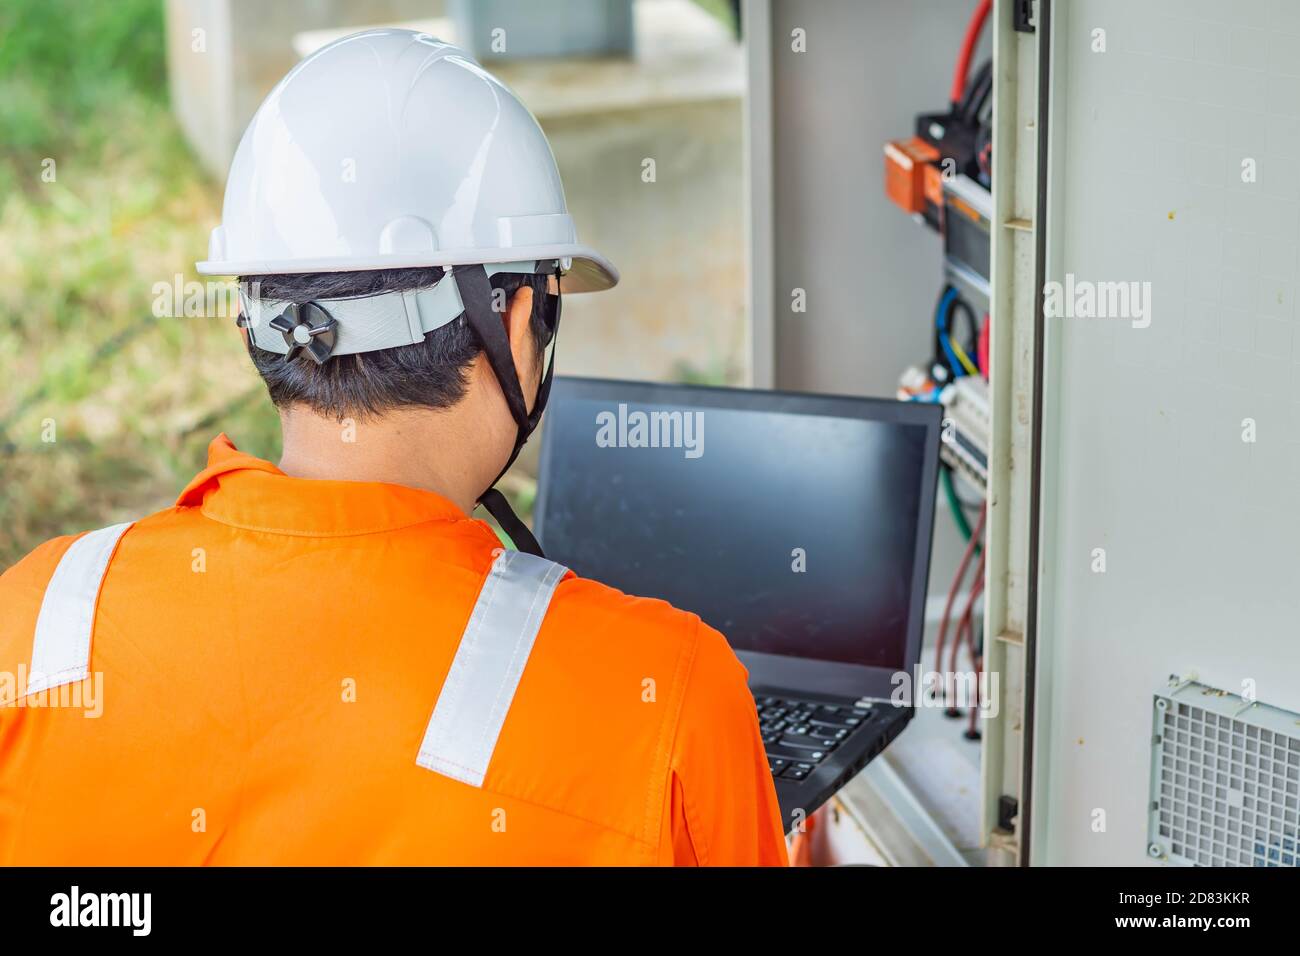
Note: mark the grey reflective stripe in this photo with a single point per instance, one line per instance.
(61, 650)
(478, 691)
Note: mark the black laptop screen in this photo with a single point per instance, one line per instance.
(791, 533)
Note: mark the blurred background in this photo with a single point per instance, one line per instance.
(118, 121)
(759, 250)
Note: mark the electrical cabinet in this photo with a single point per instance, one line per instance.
(1143, 447)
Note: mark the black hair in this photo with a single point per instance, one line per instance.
(429, 374)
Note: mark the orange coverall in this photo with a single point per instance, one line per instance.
(266, 655)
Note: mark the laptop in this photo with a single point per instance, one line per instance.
(797, 525)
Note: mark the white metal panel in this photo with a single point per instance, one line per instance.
(1146, 457)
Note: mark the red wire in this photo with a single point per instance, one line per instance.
(952, 593)
(973, 30)
(983, 347)
(976, 661)
(965, 623)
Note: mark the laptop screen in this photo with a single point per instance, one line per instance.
(795, 525)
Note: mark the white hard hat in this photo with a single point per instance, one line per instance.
(390, 149)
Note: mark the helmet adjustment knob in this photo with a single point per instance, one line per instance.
(307, 327)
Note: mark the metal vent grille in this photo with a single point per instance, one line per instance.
(1225, 780)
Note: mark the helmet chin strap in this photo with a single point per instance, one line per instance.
(476, 295)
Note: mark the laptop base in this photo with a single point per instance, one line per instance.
(817, 743)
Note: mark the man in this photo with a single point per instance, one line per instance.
(329, 661)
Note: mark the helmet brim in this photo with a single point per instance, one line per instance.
(588, 271)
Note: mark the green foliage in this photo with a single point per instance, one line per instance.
(130, 400)
(65, 64)
(720, 10)
(715, 370)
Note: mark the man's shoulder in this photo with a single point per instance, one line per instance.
(629, 622)
(611, 629)
(22, 589)
(23, 586)
(37, 564)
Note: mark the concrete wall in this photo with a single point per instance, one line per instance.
(679, 309)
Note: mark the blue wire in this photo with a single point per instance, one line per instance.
(941, 323)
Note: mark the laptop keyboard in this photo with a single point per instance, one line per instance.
(800, 734)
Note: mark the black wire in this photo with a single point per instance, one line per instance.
(977, 93)
(940, 357)
(972, 343)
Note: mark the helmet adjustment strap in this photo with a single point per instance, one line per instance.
(476, 294)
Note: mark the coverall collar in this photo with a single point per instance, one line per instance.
(244, 491)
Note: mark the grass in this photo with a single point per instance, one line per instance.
(100, 199)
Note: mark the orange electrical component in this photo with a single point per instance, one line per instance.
(933, 176)
(911, 178)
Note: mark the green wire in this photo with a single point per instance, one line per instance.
(954, 505)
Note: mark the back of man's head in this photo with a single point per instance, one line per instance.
(430, 374)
